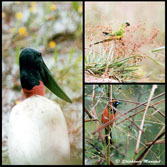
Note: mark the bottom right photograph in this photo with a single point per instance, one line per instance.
(124, 124)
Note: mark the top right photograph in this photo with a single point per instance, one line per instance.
(124, 42)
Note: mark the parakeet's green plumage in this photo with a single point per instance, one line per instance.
(115, 35)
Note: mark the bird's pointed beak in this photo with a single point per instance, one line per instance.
(51, 83)
(127, 24)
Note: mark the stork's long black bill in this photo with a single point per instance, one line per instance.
(52, 85)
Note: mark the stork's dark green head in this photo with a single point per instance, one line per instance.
(33, 71)
(30, 59)
(30, 65)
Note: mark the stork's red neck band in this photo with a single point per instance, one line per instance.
(36, 90)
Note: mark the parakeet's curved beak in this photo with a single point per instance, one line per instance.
(51, 83)
(127, 24)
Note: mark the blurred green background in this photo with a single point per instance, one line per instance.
(55, 29)
(124, 135)
(151, 18)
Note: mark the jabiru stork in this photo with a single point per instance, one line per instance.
(38, 132)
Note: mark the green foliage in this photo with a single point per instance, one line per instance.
(75, 5)
(158, 49)
(125, 132)
(120, 68)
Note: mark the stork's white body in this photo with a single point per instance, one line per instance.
(38, 133)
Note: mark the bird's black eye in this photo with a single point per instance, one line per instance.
(37, 56)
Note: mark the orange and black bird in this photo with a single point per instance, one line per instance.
(112, 115)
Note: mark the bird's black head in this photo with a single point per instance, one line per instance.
(127, 23)
(30, 66)
(115, 103)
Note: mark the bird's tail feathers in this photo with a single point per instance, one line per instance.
(105, 40)
(107, 33)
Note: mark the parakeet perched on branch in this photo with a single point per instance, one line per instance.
(115, 35)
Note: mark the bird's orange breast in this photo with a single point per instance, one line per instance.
(105, 116)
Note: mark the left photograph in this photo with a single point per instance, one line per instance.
(42, 83)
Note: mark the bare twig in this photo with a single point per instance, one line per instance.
(89, 114)
(144, 103)
(99, 151)
(117, 149)
(94, 112)
(145, 152)
(144, 115)
(162, 141)
(90, 120)
(142, 111)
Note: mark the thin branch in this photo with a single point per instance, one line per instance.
(144, 103)
(90, 120)
(145, 152)
(94, 112)
(89, 114)
(98, 150)
(142, 111)
(162, 141)
(144, 115)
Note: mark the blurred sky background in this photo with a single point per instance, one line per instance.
(116, 13)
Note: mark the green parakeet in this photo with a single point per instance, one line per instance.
(115, 35)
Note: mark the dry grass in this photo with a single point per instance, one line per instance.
(135, 46)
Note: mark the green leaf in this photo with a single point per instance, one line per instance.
(158, 49)
(155, 61)
(75, 5)
(56, 54)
